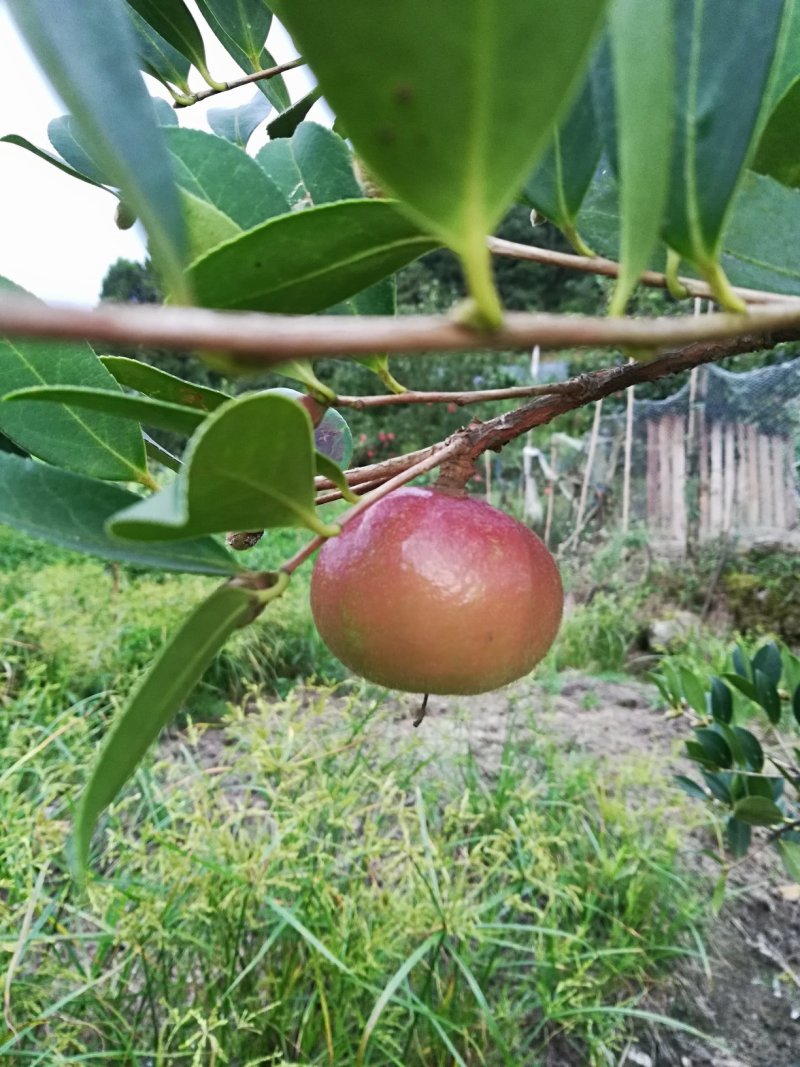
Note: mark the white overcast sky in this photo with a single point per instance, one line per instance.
(57, 234)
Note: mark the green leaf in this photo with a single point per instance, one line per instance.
(324, 162)
(693, 690)
(249, 467)
(714, 746)
(453, 131)
(88, 51)
(157, 57)
(154, 413)
(159, 385)
(796, 704)
(178, 668)
(790, 854)
(172, 20)
(741, 662)
(721, 701)
(22, 142)
(158, 454)
(238, 124)
(64, 138)
(644, 89)
(738, 834)
(70, 510)
(745, 687)
(206, 225)
(719, 785)
(767, 696)
(308, 260)
(762, 786)
(768, 660)
(721, 82)
(751, 747)
(333, 472)
(761, 248)
(223, 174)
(242, 29)
(559, 183)
(777, 150)
(690, 787)
(758, 811)
(95, 445)
(289, 119)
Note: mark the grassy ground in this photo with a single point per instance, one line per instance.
(290, 886)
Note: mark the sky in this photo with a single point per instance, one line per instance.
(57, 234)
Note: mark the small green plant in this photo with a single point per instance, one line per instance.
(763, 691)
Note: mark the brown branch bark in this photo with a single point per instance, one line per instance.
(256, 76)
(262, 340)
(609, 268)
(575, 393)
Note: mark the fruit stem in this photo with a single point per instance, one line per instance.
(454, 474)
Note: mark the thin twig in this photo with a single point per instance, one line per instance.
(259, 339)
(461, 399)
(257, 76)
(610, 269)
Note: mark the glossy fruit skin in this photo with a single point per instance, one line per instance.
(433, 593)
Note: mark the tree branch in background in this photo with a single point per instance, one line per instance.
(610, 269)
(257, 339)
(257, 76)
(567, 396)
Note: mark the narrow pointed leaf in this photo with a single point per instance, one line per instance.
(215, 170)
(155, 413)
(768, 660)
(88, 53)
(751, 746)
(159, 385)
(453, 131)
(238, 124)
(242, 30)
(86, 442)
(289, 119)
(178, 668)
(249, 467)
(693, 690)
(690, 787)
(721, 79)
(334, 473)
(23, 142)
(643, 89)
(71, 511)
(559, 183)
(157, 57)
(309, 260)
(172, 20)
(721, 701)
(767, 696)
(158, 454)
(715, 747)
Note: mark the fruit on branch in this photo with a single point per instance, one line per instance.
(435, 592)
(332, 436)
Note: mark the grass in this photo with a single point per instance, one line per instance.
(302, 881)
(298, 886)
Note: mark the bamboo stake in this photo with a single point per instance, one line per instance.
(588, 472)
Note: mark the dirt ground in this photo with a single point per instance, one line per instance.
(750, 989)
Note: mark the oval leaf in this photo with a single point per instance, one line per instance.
(178, 668)
(453, 131)
(758, 811)
(768, 660)
(70, 510)
(91, 444)
(238, 124)
(721, 701)
(88, 53)
(22, 142)
(64, 137)
(215, 170)
(249, 467)
(768, 697)
(172, 20)
(309, 260)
